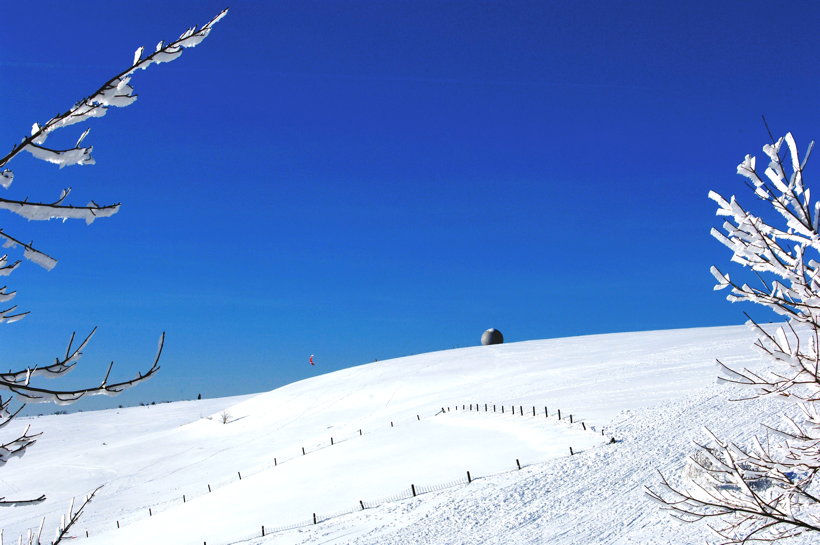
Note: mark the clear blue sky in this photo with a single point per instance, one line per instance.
(362, 180)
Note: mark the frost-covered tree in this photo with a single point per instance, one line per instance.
(22, 385)
(767, 491)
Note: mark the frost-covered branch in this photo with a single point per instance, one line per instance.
(6, 415)
(60, 367)
(116, 92)
(745, 492)
(71, 517)
(29, 252)
(767, 492)
(22, 384)
(47, 211)
(17, 446)
(16, 503)
(19, 382)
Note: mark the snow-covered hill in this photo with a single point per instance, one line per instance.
(372, 431)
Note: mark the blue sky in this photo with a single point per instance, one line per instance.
(362, 180)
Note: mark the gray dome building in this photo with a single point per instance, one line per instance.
(492, 336)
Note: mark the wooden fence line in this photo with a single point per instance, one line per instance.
(412, 491)
(406, 494)
(572, 419)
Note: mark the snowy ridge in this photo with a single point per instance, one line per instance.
(652, 391)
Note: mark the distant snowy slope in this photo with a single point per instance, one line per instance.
(651, 390)
(597, 376)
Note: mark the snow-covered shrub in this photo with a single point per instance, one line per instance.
(767, 492)
(116, 92)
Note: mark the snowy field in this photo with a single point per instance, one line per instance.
(651, 391)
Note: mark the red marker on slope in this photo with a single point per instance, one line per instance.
(311, 360)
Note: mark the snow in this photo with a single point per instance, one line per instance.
(6, 269)
(651, 391)
(74, 156)
(36, 256)
(6, 177)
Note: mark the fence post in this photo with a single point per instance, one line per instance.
(469, 478)
(471, 406)
(86, 533)
(314, 518)
(303, 451)
(391, 423)
(413, 488)
(263, 530)
(502, 409)
(570, 452)
(533, 410)
(150, 514)
(418, 417)
(331, 441)
(546, 412)
(360, 432)
(584, 426)
(209, 488)
(240, 475)
(518, 463)
(559, 414)
(570, 418)
(183, 498)
(493, 407)
(118, 524)
(275, 463)
(361, 502)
